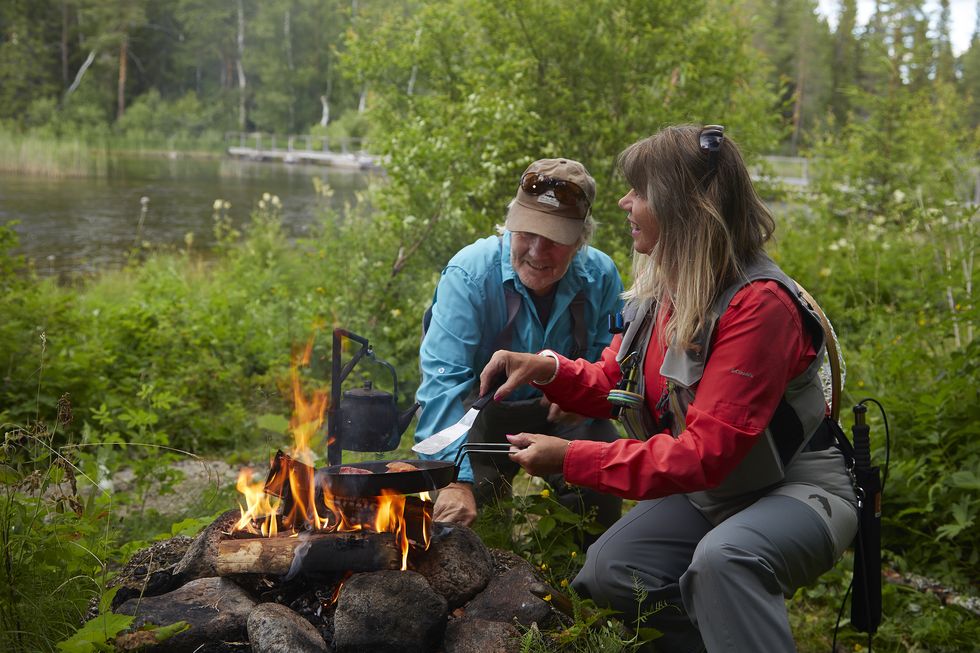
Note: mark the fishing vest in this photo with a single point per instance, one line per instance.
(800, 411)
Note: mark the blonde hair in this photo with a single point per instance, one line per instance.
(712, 224)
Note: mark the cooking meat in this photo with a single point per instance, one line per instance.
(399, 466)
(347, 469)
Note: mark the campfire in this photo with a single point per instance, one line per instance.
(340, 558)
(307, 525)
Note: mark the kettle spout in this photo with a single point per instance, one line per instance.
(405, 418)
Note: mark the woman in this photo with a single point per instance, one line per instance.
(743, 497)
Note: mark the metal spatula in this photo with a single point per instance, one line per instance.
(439, 441)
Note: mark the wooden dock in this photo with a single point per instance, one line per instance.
(301, 149)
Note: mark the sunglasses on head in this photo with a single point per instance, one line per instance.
(565, 192)
(710, 138)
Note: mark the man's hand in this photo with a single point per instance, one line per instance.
(557, 416)
(455, 503)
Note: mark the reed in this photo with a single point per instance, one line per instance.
(36, 154)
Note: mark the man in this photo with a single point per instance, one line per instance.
(537, 286)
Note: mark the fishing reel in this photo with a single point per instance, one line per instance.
(624, 395)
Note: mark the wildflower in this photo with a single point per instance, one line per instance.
(395, 312)
(824, 272)
(226, 205)
(574, 554)
(860, 383)
(564, 583)
(898, 196)
(217, 204)
(320, 290)
(262, 204)
(922, 321)
(544, 566)
(546, 493)
(547, 597)
(266, 197)
(275, 201)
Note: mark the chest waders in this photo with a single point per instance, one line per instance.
(797, 418)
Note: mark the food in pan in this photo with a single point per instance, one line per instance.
(347, 469)
(400, 466)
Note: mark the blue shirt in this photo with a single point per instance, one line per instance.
(470, 310)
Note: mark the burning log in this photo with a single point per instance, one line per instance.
(318, 552)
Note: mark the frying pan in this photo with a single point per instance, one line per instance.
(428, 475)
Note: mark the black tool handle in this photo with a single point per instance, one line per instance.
(485, 399)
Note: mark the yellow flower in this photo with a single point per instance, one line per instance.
(546, 493)
(824, 272)
(860, 384)
(547, 597)
(544, 566)
(574, 554)
(564, 582)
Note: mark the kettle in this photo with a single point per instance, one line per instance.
(365, 418)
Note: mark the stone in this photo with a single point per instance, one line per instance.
(457, 565)
(216, 609)
(508, 597)
(274, 628)
(480, 636)
(388, 612)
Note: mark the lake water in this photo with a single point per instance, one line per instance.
(72, 226)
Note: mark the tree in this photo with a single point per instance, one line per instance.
(27, 33)
(845, 61)
(498, 84)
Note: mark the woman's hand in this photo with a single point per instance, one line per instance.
(518, 368)
(539, 454)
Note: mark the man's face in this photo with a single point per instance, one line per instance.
(539, 262)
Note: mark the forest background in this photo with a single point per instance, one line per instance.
(184, 355)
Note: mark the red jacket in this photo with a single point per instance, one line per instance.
(759, 345)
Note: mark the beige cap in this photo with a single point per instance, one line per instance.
(544, 213)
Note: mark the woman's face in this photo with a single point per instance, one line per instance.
(539, 262)
(644, 227)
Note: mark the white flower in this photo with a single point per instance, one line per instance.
(262, 204)
(218, 203)
(898, 196)
(266, 197)
(226, 205)
(275, 201)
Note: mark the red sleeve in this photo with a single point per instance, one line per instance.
(759, 345)
(581, 387)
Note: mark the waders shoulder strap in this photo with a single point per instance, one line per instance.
(832, 354)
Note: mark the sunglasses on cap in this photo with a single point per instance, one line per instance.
(565, 192)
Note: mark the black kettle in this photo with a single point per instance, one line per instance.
(365, 418)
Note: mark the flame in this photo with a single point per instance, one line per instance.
(391, 519)
(258, 508)
(307, 413)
